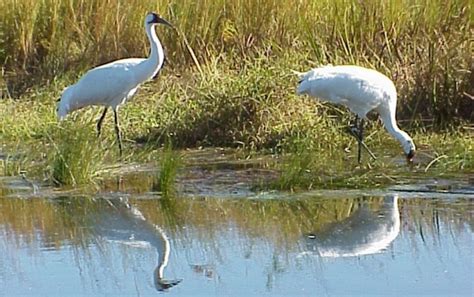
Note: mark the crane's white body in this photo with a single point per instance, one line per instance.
(107, 85)
(361, 90)
(114, 83)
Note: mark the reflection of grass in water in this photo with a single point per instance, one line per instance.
(76, 157)
(58, 220)
(170, 161)
(256, 225)
(279, 222)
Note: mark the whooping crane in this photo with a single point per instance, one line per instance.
(112, 84)
(361, 90)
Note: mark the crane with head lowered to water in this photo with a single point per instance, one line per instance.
(361, 90)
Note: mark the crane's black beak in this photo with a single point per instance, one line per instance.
(157, 19)
(164, 22)
(410, 156)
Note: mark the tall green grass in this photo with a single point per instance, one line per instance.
(170, 162)
(228, 81)
(12, 165)
(77, 156)
(423, 45)
(237, 107)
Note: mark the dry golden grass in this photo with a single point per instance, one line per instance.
(423, 45)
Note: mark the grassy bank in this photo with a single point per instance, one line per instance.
(236, 108)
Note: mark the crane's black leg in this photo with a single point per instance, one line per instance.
(360, 140)
(117, 131)
(357, 130)
(101, 119)
(354, 127)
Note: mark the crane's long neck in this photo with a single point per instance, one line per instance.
(390, 123)
(150, 67)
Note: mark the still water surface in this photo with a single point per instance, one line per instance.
(235, 242)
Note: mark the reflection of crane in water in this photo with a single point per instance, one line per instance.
(121, 222)
(364, 232)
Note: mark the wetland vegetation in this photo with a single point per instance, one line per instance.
(236, 184)
(228, 82)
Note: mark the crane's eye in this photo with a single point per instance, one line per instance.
(153, 18)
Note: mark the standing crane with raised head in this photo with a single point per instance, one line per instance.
(112, 84)
(361, 90)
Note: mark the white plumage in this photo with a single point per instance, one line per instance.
(112, 84)
(361, 90)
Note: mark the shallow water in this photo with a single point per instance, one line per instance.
(219, 237)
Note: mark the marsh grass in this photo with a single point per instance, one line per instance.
(170, 161)
(227, 80)
(423, 45)
(448, 153)
(253, 107)
(266, 117)
(304, 167)
(307, 166)
(13, 165)
(77, 155)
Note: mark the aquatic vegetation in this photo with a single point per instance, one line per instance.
(76, 155)
(449, 152)
(170, 161)
(228, 82)
(306, 166)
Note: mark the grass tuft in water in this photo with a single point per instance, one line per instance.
(170, 162)
(76, 157)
